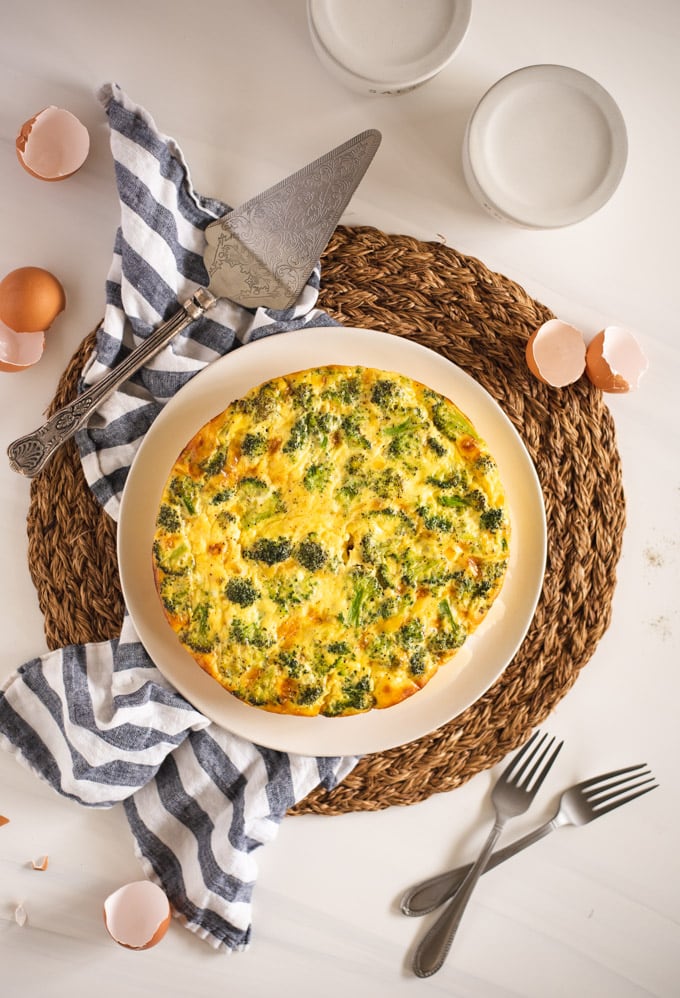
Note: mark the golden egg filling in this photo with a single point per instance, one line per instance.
(330, 540)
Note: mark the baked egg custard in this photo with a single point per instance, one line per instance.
(330, 540)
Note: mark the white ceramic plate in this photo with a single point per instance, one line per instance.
(484, 656)
(382, 47)
(545, 147)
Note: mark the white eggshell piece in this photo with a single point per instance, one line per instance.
(57, 144)
(624, 355)
(135, 913)
(20, 349)
(559, 352)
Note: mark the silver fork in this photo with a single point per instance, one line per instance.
(578, 805)
(513, 793)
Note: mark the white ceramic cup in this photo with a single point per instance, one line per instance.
(545, 147)
(386, 47)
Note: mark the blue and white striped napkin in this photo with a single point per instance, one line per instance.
(99, 722)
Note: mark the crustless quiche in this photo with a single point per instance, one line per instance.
(331, 539)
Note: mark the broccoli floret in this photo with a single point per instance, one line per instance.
(491, 519)
(311, 555)
(261, 405)
(184, 489)
(225, 518)
(175, 593)
(352, 487)
(289, 661)
(485, 463)
(216, 462)
(299, 434)
(251, 486)
(452, 636)
(445, 641)
(477, 499)
(454, 480)
(386, 394)
(382, 649)
(168, 518)
(351, 427)
(317, 477)
(259, 511)
(410, 635)
(269, 550)
(222, 496)
(417, 662)
(254, 444)
(450, 422)
(289, 592)
(249, 634)
(436, 446)
(302, 395)
(356, 695)
(346, 391)
(423, 571)
(370, 551)
(492, 573)
(388, 484)
(401, 447)
(200, 636)
(434, 521)
(173, 560)
(309, 694)
(339, 648)
(241, 591)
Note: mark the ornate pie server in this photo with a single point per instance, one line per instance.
(260, 254)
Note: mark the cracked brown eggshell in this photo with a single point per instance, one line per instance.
(137, 915)
(556, 353)
(53, 144)
(615, 361)
(19, 351)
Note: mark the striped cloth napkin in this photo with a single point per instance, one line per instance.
(99, 722)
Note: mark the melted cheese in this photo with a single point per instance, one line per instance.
(327, 542)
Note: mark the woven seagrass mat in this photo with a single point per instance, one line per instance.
(480, 320)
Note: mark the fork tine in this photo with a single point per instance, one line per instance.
(612, 805)
(536, 756)
(607, 790)
(594, 780)
(546, 766)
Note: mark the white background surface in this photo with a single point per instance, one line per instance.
(588, 912)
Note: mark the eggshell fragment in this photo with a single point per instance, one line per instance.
(30, 299)
(19, 351)
(556, 353)
(20, 915)
(53, 144)
(41, 863)
(3, 820)
(137, 915)
(615, 361)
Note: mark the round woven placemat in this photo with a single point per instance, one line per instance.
(480, 320)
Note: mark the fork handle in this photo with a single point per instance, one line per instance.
(29, 454)
(425, 896)
(436, 943)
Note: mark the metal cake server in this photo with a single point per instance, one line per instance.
(259, 254)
